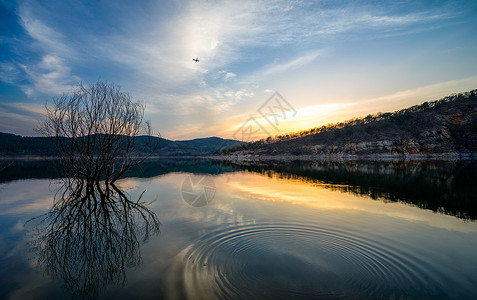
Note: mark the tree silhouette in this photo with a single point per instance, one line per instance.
(93, 231)
(91, 235)
(97, 130)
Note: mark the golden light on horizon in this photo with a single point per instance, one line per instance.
(254, 126)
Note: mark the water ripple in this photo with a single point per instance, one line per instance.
(290, 261)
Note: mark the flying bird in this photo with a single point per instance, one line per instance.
(196, 59)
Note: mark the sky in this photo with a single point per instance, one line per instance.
(265, 67)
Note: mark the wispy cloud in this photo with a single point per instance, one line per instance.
(44, 36)
(9, 72)
(294, 63)
(147, 48)
(228, 75)
(409, 97)
(50, 75)
(386, 20)
(160, 53)
(23, 108)
(19, 118)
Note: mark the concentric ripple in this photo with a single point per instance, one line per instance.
(290, 261)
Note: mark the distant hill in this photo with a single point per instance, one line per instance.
(11, 144)
(15, 145)
(448, 125)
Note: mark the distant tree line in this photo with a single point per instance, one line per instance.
(15, 144)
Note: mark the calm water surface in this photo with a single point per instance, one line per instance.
(323, 230)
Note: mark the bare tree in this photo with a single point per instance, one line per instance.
(100, 132)
(91, 233)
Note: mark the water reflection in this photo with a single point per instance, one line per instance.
(46, 169)
(302, 261)
(302, 231)
(284, 238)
(92, 234)
(445, 187)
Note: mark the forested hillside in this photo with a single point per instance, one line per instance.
(448, 125)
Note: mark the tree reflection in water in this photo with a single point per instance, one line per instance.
(91, 235)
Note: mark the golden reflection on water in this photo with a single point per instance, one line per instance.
(321, 196)
(272, 186)
(262, 224)
(258, 217)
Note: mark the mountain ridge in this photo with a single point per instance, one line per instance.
(16, 145)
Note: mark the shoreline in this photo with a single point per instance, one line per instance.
(290, 157)
(351, 157)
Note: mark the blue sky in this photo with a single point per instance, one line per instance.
(330, 60)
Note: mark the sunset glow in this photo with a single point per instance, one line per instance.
(330, 61)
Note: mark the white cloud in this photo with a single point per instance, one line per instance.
(17, 123)
(238, 94)
(294, 63)
(24, 108)
(9, 72)
(386, 20)
(229, 75)
(47, 38)
(406, 98)
(49, 76)
(226, 75)
(160, 54)
(155, 57)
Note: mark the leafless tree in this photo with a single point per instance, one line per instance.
(91, 234)
(100, 132)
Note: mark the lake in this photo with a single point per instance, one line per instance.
(296, 230)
